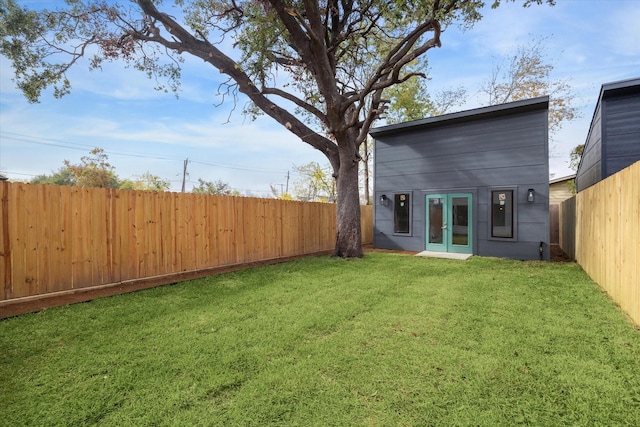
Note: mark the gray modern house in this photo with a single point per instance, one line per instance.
(474, 182)
(613, 141)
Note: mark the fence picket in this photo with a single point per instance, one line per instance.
(65, 273)
(42, 246)
(5, 248)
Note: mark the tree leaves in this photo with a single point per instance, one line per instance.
(218, 187)
(528, 74)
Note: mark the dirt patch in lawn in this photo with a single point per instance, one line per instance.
(557, 255)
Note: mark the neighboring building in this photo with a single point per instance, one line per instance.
(472, 182)
(561, 189)
(613, 142)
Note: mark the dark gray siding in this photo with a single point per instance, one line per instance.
(590, 170)
(622, 132)
(613, 142)
(507, 148)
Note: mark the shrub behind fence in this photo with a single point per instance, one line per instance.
(61, 238)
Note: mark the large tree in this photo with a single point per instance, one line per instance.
(527, 74)
(339, 56)
(411, 100)
(94, 170)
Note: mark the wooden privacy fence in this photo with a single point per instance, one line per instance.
(567, 227)
(62, 238)
(607, 236)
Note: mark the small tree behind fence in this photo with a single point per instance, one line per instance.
(61, 238)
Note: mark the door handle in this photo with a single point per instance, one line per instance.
(444, 226)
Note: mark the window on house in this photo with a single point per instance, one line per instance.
(502, 213)
(401, 211)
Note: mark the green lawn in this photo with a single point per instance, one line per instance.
(388, 340)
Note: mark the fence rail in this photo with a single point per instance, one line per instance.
(607, 236)
(61, 238)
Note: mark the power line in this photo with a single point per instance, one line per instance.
(241, 168)
(19, 173)
(77, 146)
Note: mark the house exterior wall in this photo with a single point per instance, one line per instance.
(621, 129)
(559, 192)
(500, 147)
(590, 169)
(613, 142)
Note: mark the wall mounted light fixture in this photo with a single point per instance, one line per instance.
(530, 196)
(384, 200)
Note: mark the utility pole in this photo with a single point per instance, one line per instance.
(184, 173)
(287, 182)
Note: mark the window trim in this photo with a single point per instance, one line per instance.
(410, 219)
(514, 226)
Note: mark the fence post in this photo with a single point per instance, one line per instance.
(6, 240)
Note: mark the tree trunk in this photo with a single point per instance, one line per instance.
(349, 233)
(365, 162)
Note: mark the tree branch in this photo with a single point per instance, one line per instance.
(211, 54)
(300, 103)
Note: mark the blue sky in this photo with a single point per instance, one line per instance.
(591, 42)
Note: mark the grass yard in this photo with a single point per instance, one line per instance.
(388, 340)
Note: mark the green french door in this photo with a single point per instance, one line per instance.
(449, 223)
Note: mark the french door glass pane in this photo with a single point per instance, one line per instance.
(460, 220)
(435, 220)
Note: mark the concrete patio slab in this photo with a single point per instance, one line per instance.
(446, 255)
